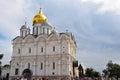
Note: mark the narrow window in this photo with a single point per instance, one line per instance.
(17, 64)
(41, 67)
(29, 65)
(25, 32)
(16, 71)
(53, 48)
(41, 49)
(33, 31)
(37, 30)
(29, 50)
(22, 33)
(19, 51)
(43, 30)
(53, 65)
(47, 30)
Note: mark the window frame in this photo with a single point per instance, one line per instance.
(41, 49)
(30, 50)
(19, 51)
(16, 71)
(53, 65)
(53, 48)
(41, 65)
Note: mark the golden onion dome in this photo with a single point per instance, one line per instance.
(39, 18)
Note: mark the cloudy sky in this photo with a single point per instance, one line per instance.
(95, 25)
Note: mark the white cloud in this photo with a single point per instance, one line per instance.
(106, 5)
(94, 1)
(12, 13)
(12, 17)
(91, 59)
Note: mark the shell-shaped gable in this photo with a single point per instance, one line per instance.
(17, 40)
(63, 36)
(29, 39)
(53, 37)
(41, 38)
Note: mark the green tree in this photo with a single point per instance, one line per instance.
(112, 70)
(89, 72)
(96, 74)
(105, 72)
(1, 56)
(6, 65)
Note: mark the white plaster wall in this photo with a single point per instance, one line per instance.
(5, 71)
(62, 48)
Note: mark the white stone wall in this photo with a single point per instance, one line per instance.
(5, 71)
(63, 56)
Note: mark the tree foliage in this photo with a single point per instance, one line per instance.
(6, 65)
(112, 70)
(1, 56)
(96, 74)
(89, 72)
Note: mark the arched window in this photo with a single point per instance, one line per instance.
(16, 71)
(43, 30)
(19, 51)
(47, 30)
(41, 49)
(53, 48)
(25, 32)
(53, 65)
(28, 65)
(22, 33)
(41, 67)
(29, 50)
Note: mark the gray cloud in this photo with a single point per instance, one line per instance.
(97, 35)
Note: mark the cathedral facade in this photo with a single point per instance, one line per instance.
(44, 53)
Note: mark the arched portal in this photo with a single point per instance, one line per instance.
(27, 73)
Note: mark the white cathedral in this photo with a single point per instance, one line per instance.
(44, 53)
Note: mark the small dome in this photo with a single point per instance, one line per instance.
(39, 18)
(23, 27)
